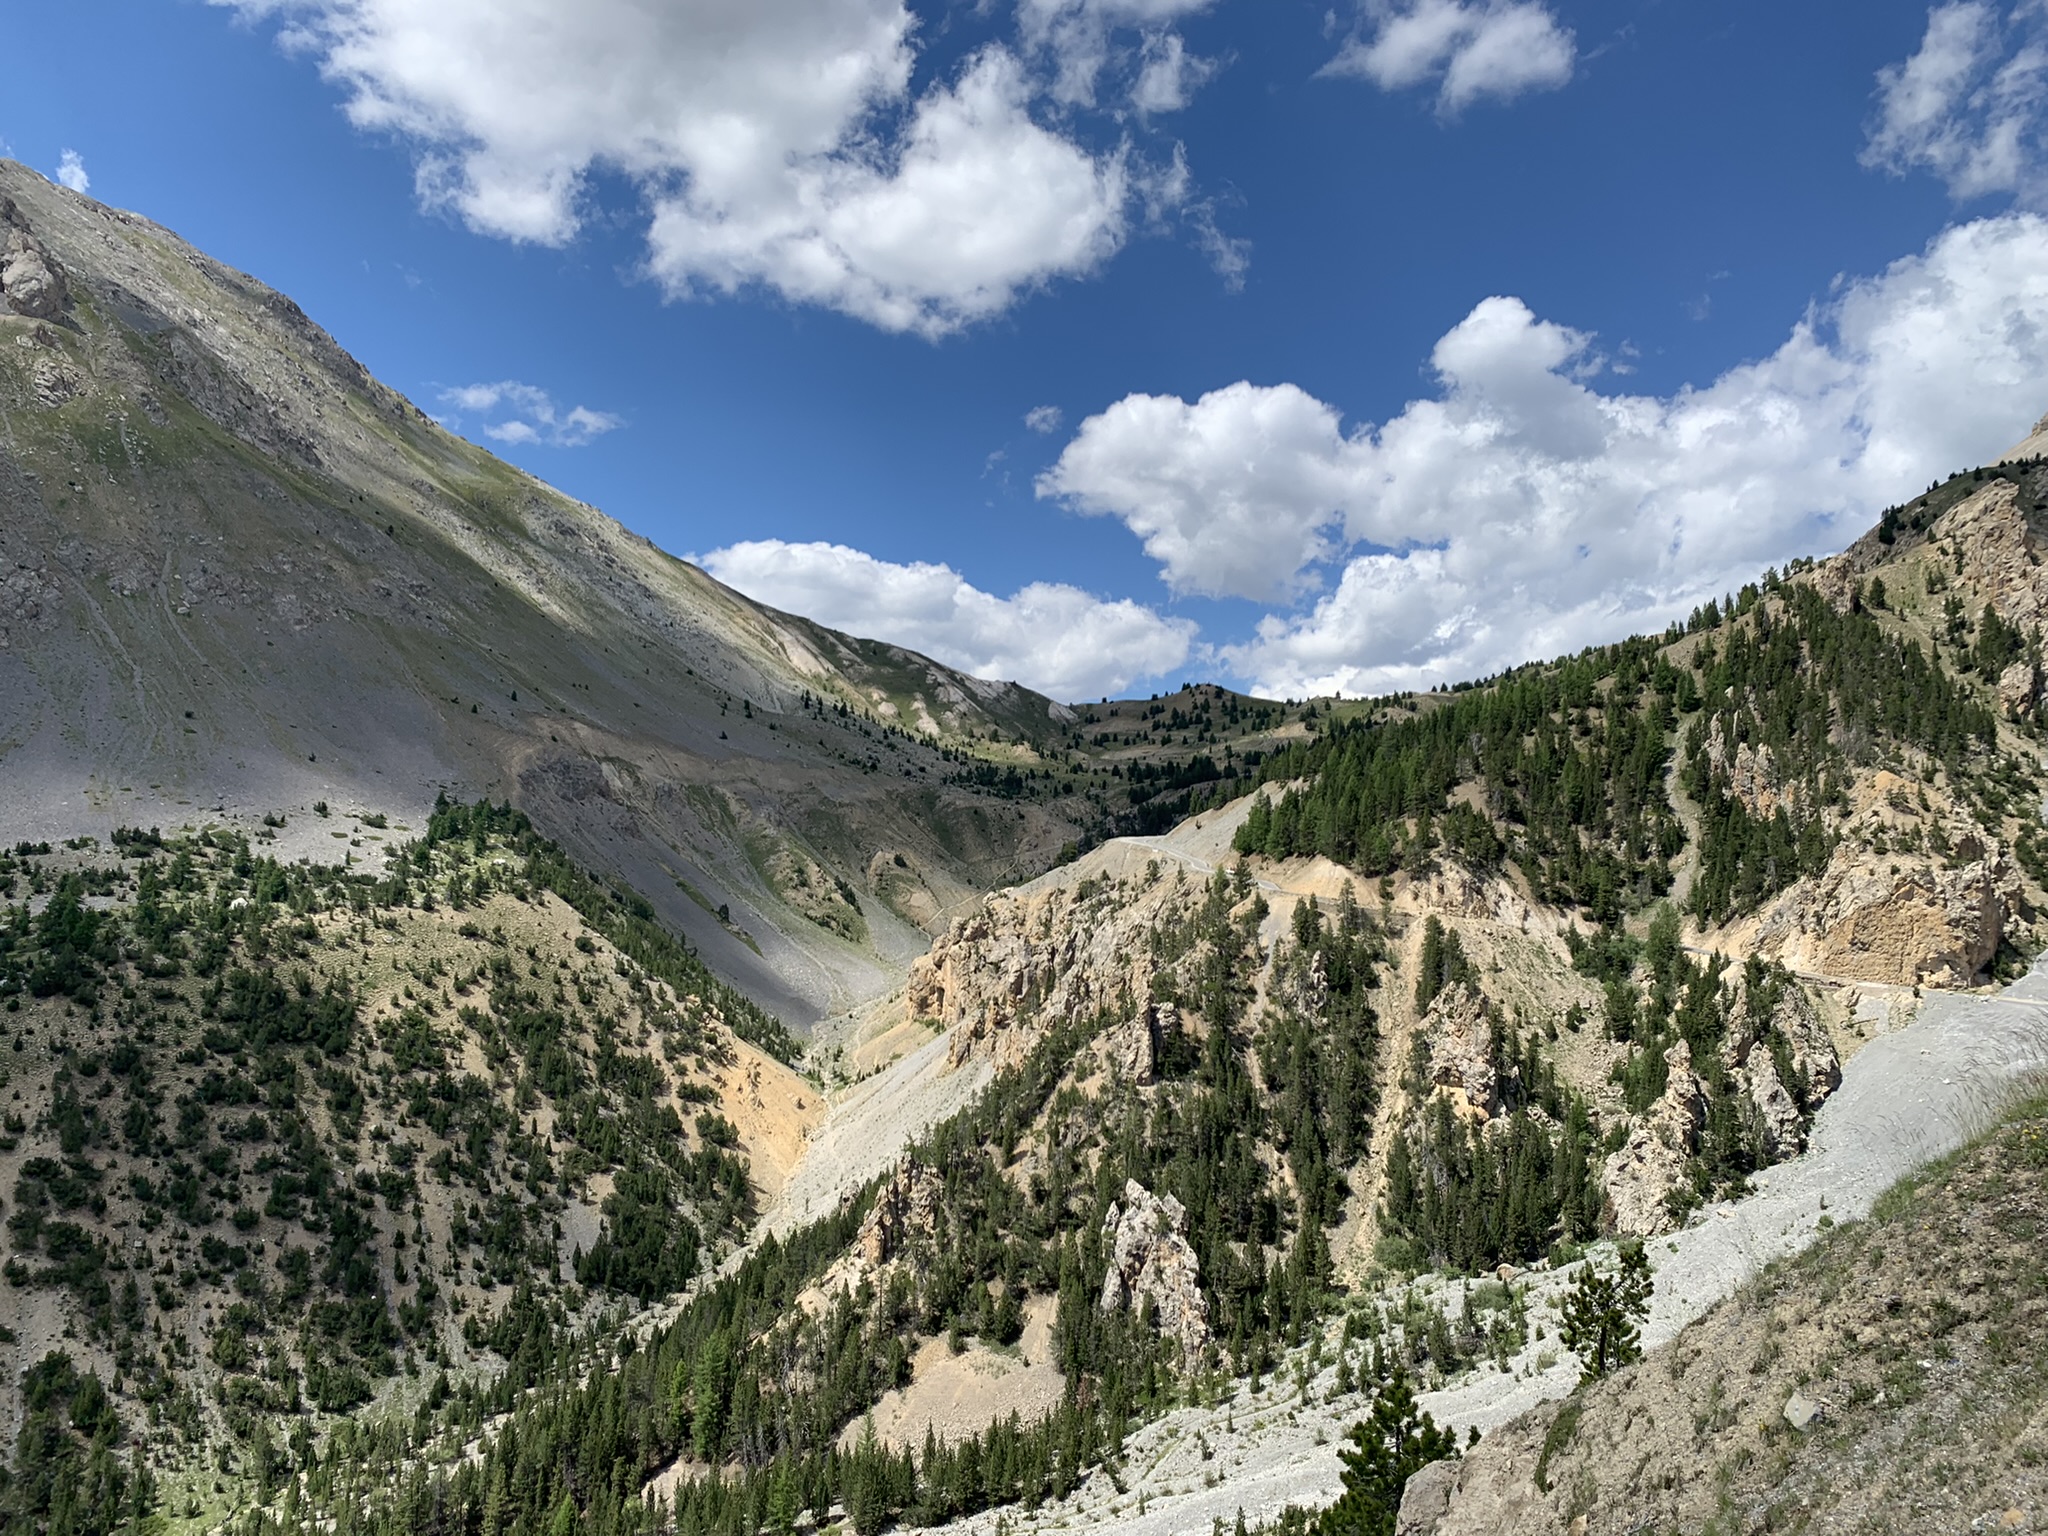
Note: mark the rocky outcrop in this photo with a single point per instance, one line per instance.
(1130, 1050)
(29, 602)
(1758, 1032)
(1916, 894)
(2001, 556)
(52, 383)
(1426, 1498)
(1809, 1048)
(1753, 776)
(905, 1211)
(29, 279)
(2019, 690)
(1784, 1131)
(1908, 922)
(1784, 1100)
(1031, 959)
(1459, 1030)
(1642, 1176)
(906, 1215)
(1452, 890)
(1151, 1261)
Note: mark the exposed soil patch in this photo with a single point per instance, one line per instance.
(955, 1396)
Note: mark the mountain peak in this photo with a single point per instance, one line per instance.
(245, 576)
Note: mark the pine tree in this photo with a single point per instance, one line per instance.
(1603, 1314)
(1385, 1452)
(783, 1503)
(1429, 975)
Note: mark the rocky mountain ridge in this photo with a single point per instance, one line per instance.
(240, 576)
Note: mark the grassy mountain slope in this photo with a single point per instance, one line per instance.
(280, 1137)
(1916, 1333)
(242, 575)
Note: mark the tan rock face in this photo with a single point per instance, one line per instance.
(1807, 1042)
(1916, 894)
(906, 1211)
(2019, 690)
(905, 1216)
(1639, 1178)
(2001, 556)
(1029, 960)
(1459, 1029)
(1642, 1175)
(1130, 1050)
(1923, 925)
(1451, 890)
(1152, 1260)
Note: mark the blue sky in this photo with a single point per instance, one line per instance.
(1382, 344)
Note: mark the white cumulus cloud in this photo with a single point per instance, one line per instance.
(978, 205)
(1519, 512)
(518, 414)
(778, 143)
(1058, 639)
(1468, 49)
(1971, 103)
(1231, 494)
(1086, 40)
(71, 171)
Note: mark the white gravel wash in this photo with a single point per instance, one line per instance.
(869, 1126)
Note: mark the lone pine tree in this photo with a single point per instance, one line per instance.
(1603, 1313)
(1385, 1451)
